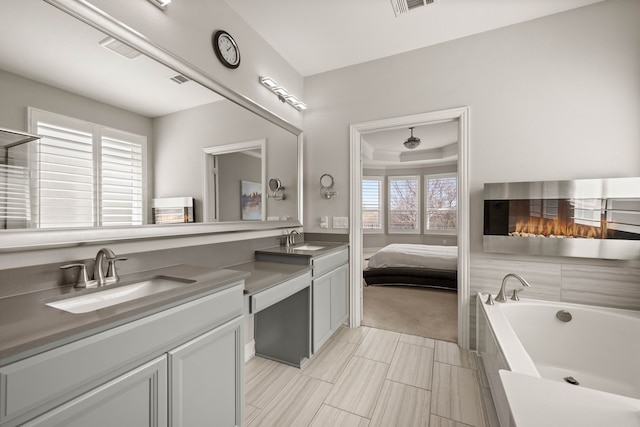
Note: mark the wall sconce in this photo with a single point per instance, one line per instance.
(161, 4)
(326, 186)
(282, 93)
(276, 187)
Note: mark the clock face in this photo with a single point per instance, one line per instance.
(226, 49)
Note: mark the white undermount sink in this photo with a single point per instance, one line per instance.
(108, 296)
(307, 248)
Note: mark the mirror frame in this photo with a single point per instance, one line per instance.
(28, 239)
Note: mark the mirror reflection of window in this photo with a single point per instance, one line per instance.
(85, 174)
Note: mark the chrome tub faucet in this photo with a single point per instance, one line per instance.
(502, 296)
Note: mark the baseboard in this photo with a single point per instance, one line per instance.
(249, 350)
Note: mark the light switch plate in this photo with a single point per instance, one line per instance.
(340, 222)
(324, 222)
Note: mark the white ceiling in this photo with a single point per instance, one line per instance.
(438, 146)
(322, 35)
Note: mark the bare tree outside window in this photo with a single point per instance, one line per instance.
(404, 193)
(441, 203)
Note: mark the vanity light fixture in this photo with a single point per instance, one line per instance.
(161, 4)
(282, 93)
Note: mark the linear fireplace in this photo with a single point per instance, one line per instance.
(591, 218)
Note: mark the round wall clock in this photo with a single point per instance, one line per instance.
(226, 49)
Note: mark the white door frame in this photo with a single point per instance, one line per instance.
(355, 221)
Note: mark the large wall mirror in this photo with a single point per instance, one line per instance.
(70, 81)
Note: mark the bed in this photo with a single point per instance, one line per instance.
(416, 265)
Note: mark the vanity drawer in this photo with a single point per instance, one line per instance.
(277, 293)
(329, 262)
(53, 377)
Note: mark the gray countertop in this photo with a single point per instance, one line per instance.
(28, 326)
(327, 247)
(264, 275)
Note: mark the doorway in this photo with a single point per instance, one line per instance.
(358, 131)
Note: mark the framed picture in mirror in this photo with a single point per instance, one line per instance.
(251, 201)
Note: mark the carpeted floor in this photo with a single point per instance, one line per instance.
(430, 313)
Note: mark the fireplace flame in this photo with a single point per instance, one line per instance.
(555, 228)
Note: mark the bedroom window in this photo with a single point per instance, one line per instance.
(441, 203)
(404, 202)
(85, 174)
(372, 204)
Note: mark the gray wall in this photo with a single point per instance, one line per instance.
(181, 136)
(234, 168)
(553, 98)
(18, 93)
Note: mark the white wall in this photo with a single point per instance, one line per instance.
(553, 98)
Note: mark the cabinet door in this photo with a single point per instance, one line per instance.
(206, 379)
(137, 398)
(339, 296)
(321, 311)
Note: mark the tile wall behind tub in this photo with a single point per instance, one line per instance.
(603, 283)
(27, 279)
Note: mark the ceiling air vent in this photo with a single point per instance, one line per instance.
(179, 78)
(119, 48)
(404, 6)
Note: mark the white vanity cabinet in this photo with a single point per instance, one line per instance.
(138, 398)
(206, 378)
(330, 295)
(179, 367)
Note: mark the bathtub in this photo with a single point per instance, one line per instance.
(598, 349)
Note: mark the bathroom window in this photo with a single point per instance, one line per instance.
(404, 202)
(441, 203)
(85, 174)
(372, 204)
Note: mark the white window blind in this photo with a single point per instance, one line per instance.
(441, 203)
(404, 198)
(86, 174)
(121, 180)
(64, 176)
(15, 210)
(372, 204)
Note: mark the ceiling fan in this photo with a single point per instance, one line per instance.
(412, 142)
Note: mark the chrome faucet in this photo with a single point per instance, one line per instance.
(290, 239)
(98, 271)
(502, 296)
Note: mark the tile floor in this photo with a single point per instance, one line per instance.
(369, 377)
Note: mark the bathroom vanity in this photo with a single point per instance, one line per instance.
(329, 263)
(174, 358)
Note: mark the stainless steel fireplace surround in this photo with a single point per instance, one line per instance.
(589, 218)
